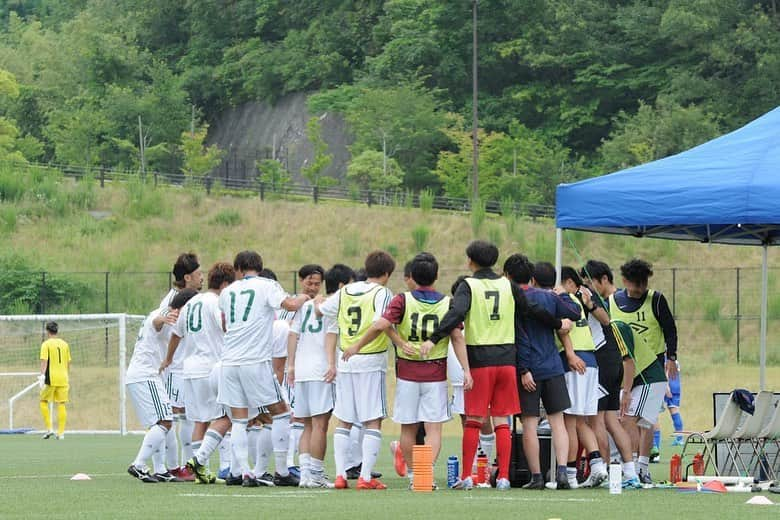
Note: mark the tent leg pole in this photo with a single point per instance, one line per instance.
(558, 254)
(764, 290)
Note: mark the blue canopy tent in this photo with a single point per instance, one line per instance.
(725, 191)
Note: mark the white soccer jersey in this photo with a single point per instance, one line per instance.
(200, 326)
(166, 301)
(454, 370)
(149, 351)
(280, 334)
(311, 361)
(249, 307)
(330, 308)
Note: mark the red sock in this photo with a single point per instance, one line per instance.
(470, 442)
(503, 449)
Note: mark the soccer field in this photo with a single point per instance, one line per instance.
(35, 483)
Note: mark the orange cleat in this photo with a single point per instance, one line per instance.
(398, 459)
(185, 474)
(340, 483)
(374, 483)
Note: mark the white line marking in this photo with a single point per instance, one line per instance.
(9, 477)
(270, 496)
(529, 499)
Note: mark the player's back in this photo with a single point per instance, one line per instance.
(249, 306)
(200, 323)
(149, 351)
(57, 352)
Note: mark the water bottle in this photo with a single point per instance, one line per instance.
(675, 468)
(453, 473)
(482, 463)
(615, 479)
(698, 464)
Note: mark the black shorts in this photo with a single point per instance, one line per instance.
(611, 381)
(552, 392)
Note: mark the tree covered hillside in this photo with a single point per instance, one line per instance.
(568, 89)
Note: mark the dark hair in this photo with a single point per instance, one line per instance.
(379, 263)
(519, 268)
(52, 327)
(182, 297)
(185, 264)
(459, 280)
(310, 269)
(482, 253)
(569, 273)
(544, 274)
(248, 261)
(220, 273)
(425, 269)
(596, 270)
(408, 269)
(637, 271)
(267, 273)
(338, 274)
(360, 275)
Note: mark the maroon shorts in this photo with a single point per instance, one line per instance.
(494, 392)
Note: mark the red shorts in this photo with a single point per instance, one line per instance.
(495, 388)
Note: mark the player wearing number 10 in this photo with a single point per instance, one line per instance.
(247, 380)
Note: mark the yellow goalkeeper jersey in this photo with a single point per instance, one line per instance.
(57, 352)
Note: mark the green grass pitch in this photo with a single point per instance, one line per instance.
(34, 479)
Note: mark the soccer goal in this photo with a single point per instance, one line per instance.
(100, 345)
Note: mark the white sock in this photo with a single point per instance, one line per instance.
(264, 449)
(372, 443)
(629, 470)
(224, 452)
(487, 443)
(281, 442)
(252, 442)
(239, 465)
(171, 449)
(210, 441)
(316, 467)
(305, 460)
(597, 466)
(153, 441)
(185, 437)
(643, 463)
(355, 456)
(296, 430)
(341, 448)
(158, 458)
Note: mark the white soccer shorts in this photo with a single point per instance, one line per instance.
(201, 403)
(583, 392)
(457, 404)
(361, 396)
(174, 385)
(314, 398)
(248, 386)
(420, 402)
(646, 403)
(151, 401)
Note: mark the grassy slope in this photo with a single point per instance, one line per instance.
(289, 234)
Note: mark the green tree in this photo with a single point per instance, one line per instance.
(372, 170)
(273, 174)
(314, 172)
(198, 158)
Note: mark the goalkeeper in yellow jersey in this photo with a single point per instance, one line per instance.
(55, 362)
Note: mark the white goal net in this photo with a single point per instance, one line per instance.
(100, 345)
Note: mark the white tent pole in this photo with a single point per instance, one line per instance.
(764, 290)
(558, 254)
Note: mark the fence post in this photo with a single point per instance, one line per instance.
(262, 190)
(155, 179)
(102, 177)
(738, 317)
(316, 193)
(674, 292)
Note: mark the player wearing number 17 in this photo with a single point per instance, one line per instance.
(247, 380)
(491, 308)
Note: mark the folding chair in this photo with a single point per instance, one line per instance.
(771, 435)
(722, 433)
(748, 434)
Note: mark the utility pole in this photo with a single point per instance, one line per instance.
(141, 148)
(475, 118)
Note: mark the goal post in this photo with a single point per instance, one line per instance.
(100, 345)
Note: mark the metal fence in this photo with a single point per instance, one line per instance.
(717, 310)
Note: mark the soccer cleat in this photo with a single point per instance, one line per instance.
(464, 483)
(304, 481)
(198, 471)
(398, 459)
(223, 473)
(141, 474)
(288, 480)
(340, 483)
(374, 483)
(502, 484)
(60, 436)
(185, 474)
(678, 441)
(562, 481)
(48, 435)
(167, 477)
(595, 479)
(655, 455)
(534, 484)
(319, 482)
(234, 480)
(249, 481)
(354, 472)
(266, 479)
(295, 471)
(645, 478)
(632, 483)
